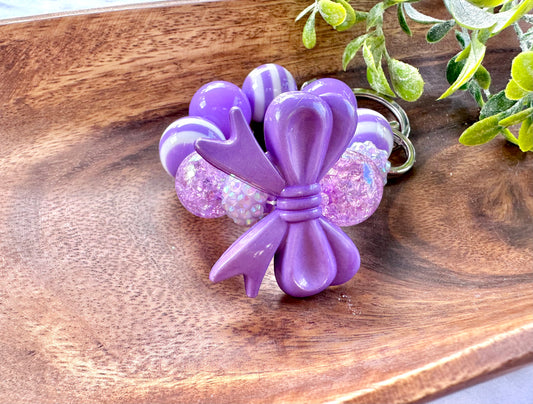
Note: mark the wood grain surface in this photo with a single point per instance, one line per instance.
(104, 290)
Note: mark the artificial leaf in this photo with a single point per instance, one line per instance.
(402, 21)
(333, 13)
(482, 76)
(351, 50)
(522, 70)
(439, 31)
(473, 61)
(486, 3)
(463, 38)
(517, 118)
(495, 105)
(406, 80)
(418, 17)
(475, 90)
(481, 132)
(513, 91)
(375, 16)
(375, 74)
(525, 135)
(304, 12)
(309, 33)
(350, 19)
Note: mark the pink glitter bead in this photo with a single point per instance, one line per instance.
(352, 189)
(199, 185)
(242, 202)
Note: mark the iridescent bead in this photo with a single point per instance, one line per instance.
(353, 188)
(177, 141)
(214, 100)
(242, 202)
(265, 83)
(199, 185)
(378, 156)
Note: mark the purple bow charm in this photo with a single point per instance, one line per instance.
(305, 134)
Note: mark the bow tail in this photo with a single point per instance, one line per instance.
(305, 263)
(345, 251)
(251, 253)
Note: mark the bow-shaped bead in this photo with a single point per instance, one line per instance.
(305, 134)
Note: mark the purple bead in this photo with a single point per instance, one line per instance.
(352, 189)
(214, 100)
(242, 202)
(374, 127)
(329, 85)
(199, 185)
(177, 141)
(265, 83)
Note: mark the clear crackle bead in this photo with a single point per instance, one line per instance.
(199, 186)
(242, 202)
(353, 188)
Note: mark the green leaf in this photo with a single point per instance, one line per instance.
(462, 38)
(333, 13)
(482, 76)
(475, 57)
(464, 53)
(513, 91)
(418, 17)
(376, 44)
(481, 132)
(475, 90)
(402, 21)
(522, 70)
(406, 80)
(525, 135)
(516, 118)
(508, 135)
(495, 105)
(350, 19)
(486, 3)
(351, 50)
(309, 33)
(375, 74)
(304, 12)
(453, 70)
(375, 16)
(439, 31)
(472, 17)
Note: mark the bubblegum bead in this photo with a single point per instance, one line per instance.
(214, 100)
(242, 202)
(177, 141)
(330, 85)
(265, 83)
(199, 185)
(352, 189)
(374, 127)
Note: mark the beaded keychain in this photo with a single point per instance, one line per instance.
(325, 166)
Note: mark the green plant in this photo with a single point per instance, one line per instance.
(475, 23)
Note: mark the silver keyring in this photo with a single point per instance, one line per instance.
(403, 141)
(391, 105)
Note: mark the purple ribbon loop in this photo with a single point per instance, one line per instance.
(304, 134)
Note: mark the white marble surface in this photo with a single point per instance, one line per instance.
(24, 8)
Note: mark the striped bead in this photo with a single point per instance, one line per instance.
(177, 141)
(265, 83)
(373, 126)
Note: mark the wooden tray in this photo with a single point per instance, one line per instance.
(104, 290)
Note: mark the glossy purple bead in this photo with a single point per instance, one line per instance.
(242, 202)
(330, 85)
(374, 127)
(265, 83)
(177, 141)
(214, 100)
(353, 188)
(199, 185)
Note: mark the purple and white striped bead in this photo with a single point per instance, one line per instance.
(265, 83)
(177, 141)
(373, 126)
